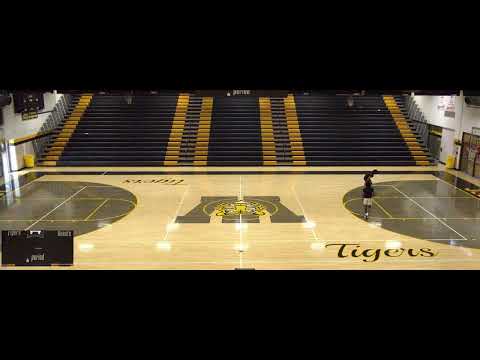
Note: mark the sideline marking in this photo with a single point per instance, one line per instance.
(472, 196)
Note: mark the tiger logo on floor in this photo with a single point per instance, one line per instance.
(247, 210)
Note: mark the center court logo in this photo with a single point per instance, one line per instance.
(231, 209)
(240, 207)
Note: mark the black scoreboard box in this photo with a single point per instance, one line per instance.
(37, 248)
(28, 102)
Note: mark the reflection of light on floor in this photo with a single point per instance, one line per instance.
(466, 251)
(172, 226)
(317, 246)
(309, 224)
(241, 226)
(13, 161)
(393, 244)
(86, 247)
(241, 247)
(375, 224)
(5, 168)
(104, 225)
(164, 246)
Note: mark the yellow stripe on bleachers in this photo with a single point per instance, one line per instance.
(408, 136)
(203, 134)
(294, 133)
(266, 127)
(62, 139)
(176, 132)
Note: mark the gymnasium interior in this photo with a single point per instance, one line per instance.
(234, 179)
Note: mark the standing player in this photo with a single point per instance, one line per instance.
(367, 198)
(368, 191)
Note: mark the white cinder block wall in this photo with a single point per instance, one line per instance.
(14, 127)
(465, 118)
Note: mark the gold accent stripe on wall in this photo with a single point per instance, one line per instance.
(266, 126)
(62, 138)
(408, 136)
(203, 134)
(296, 142)
(176, 132)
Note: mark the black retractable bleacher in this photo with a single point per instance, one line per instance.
(334, 134)
(235, 137)
(112, 132)
(115, 133)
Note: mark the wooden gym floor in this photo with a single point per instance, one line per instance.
(261, 218)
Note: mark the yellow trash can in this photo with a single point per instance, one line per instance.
(450, 162)
(29, 160)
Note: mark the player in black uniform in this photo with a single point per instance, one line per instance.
(368, 191)
(368, 176)
(367, 198)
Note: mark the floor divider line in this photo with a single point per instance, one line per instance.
(420, 206)
(177, 211)
(96, 209)
(381, 207)
(64, 202)
(303, 212)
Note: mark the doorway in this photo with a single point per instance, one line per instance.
(470, 159)
(435, 142)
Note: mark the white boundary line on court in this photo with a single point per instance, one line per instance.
(96, 209)
(420, 206)
(44, 216)
(472, 196)
(16, 189)
(240, 252)
(176, 212)
(304, 212)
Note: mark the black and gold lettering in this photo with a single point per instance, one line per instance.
(388, 252)
(342, 247)
(376, 254)
(428, 252)
(411, 252)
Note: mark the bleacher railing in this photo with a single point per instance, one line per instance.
(419, 122)
(57, 115)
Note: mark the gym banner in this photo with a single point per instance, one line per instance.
(447, 105)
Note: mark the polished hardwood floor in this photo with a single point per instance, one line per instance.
(271, 234)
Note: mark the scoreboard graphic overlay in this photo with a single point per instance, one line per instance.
(37, 248)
